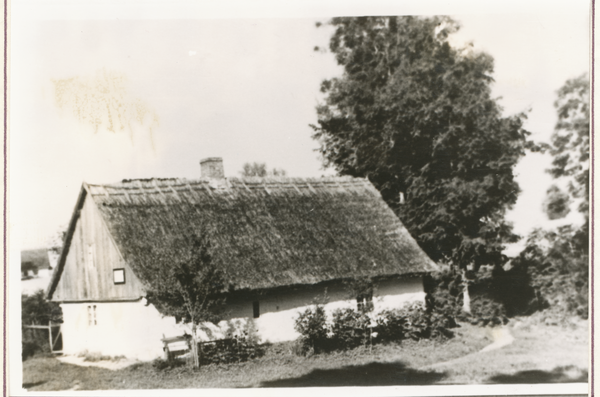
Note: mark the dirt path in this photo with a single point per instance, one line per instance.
(500, 336)
(524, 351)
(108, 364)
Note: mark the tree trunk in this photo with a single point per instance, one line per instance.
(195, 348)
(466, 299)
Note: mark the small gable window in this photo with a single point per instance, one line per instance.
(119, 276)
(92, 315)
(255, 309)
(90, 255)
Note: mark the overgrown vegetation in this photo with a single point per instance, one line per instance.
(349, 328)
(496, 294)
(551, 274)
(557, 260)
(557, 263)
(37, 310)
(235, 349)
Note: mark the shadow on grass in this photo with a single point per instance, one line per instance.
(568, 374)
(33, 384)
(373, 374)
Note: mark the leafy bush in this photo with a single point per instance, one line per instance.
(311, 324)
(557, 263)
(238, 348)
(420, 323)
(349, 329)
(390, 326)
(417, 322)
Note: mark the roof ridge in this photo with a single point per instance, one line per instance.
(256, 179)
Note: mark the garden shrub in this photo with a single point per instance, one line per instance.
(418, 322)
(311, 324)
(440, 325)
(349, 329)
(241, 343)
(238, 348)
(413, 322)
(390, 326)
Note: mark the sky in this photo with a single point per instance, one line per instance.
(243, 87)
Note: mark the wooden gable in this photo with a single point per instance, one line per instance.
(94, 267)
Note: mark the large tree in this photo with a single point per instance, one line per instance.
(190, 290)
(570, 146)
(415, 116)
(558, 260)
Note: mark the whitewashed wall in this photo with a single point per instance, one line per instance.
(122, 328)
(278, 312)
(134, 330)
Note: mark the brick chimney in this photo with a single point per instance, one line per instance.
(212, 167)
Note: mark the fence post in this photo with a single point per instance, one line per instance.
(50, 334)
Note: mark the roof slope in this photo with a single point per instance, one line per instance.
(265, 232)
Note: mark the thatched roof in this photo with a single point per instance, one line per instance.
(37, 257)
(264, 232)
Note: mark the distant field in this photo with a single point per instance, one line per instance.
(538, 354)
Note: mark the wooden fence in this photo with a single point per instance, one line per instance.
(52, 340)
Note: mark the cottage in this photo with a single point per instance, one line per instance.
(34, 262)
(281, 243)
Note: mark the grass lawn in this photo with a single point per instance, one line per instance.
(539, 354)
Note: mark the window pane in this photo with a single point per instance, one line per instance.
(119, 276)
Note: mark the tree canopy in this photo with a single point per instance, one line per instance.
(557, 202)
(570, 145)
(559, 259)
(192, 290)
(415, 116)
(260, 170)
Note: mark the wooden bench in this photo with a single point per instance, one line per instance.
(176, 346)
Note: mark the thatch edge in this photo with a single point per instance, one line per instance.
(325, 283)
(83, 193)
